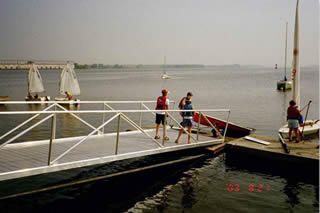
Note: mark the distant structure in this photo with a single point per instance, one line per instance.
(25, 64)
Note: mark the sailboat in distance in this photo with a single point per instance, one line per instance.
(68, 86)
(309, 127)
(165, 75)
(35, 85)
(285, 84)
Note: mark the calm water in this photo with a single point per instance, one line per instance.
(251, 95)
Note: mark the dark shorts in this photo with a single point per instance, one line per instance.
(159, 119)
(186, 123)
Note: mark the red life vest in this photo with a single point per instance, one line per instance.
(161, 103)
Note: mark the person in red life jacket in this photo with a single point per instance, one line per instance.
(293, 117)
(162, 104)
(183, 101)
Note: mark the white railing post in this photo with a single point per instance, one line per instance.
(198, 131)
(140, 117)
(164, 128)
(52, 136)
(225, 130)
(103, 115)
(118, 134)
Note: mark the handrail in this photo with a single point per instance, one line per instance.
(109, 111)
(25, 122)
(83, 139)
(25, 131)
(117, 113)
(77, 117)
(72, 102)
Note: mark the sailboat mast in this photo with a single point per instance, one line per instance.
(285, 55)
(164, 65)
(295, 62)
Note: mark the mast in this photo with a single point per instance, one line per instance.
(285, 55)
(164, 65)
(295, 62)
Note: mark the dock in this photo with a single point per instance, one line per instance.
(303, 156)
(31, 158)
(20, 159)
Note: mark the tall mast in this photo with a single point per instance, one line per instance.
(295, 63)
(164, 65)
(285, 55)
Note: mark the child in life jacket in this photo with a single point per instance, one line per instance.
(162, 104)
(187, 120)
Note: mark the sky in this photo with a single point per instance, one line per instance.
(210, 32)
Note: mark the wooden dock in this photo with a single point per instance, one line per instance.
(303, 155)
(31, 158)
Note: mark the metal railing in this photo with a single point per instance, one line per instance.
(120, 114)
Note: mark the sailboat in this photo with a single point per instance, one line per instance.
(68, 84)
(284, 84)
(310, 126)
(35, 85)
(165, 75)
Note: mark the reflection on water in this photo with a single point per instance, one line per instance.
(291, 189)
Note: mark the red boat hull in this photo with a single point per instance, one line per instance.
(233, 129)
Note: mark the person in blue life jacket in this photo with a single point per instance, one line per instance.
(183, 101)
(162, 104)
(187, 120)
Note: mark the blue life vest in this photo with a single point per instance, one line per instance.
(187, 107)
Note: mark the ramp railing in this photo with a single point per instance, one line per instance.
(119, 114)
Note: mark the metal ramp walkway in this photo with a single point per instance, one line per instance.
(30, 158)
(53, 155)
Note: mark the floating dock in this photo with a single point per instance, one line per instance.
(31, 158)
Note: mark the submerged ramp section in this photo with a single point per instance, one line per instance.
(31, 158)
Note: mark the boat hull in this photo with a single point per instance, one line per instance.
(75, 102)
(312, 129)
(233, 130)
(42, 99)
(284, 85)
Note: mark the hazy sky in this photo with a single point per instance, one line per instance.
(143, 31)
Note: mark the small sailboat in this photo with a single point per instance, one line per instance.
(35, 85)
(284, 84)
(165, 75)
(68, 85)
(310, 126)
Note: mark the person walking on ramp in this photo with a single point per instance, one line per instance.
(187, 120)
(183, 101)
(162, 104)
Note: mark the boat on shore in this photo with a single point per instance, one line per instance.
(309, 127)
(233, 130)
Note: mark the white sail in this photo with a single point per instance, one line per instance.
(69, 82)
(34, 80)
(295, 63)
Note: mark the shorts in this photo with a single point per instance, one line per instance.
(159, 119)
(186, 123)
(293, 123)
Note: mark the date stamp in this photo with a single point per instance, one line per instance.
(250, 187)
